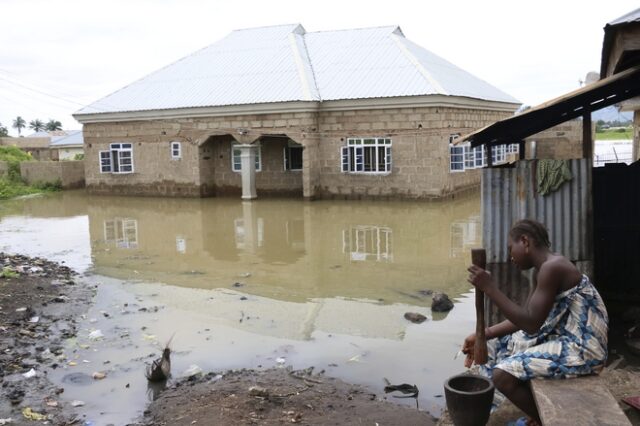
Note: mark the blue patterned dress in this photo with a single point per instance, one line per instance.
(571, 342)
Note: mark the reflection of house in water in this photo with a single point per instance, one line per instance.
(121, 231)
(246, 236)
(364, 243)
(465, 234)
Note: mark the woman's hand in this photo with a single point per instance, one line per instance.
(479, 278)
(467, 348)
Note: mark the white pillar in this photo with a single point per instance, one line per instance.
(248, 171)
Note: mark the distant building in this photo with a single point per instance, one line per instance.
(278, 110)
(67, 147)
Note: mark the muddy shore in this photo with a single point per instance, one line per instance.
(40, 305)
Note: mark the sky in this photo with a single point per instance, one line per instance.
(58, 56)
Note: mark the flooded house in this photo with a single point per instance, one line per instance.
(357, 113)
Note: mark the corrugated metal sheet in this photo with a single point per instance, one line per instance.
(285, 63)
(509, 194)
(74, 137)
(513, 283)
(633, 16)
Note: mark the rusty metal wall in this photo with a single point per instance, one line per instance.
(510, 194)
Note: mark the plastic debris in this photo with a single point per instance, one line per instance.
(34, 319)
(29, 374)
(99, 375)
(72, 363)
(281, 360)
(28, 413)
(150, 337)
(95, 335)
(21, 310)
(193, 370)
(51, 403)
(77, 403)
(6, 421)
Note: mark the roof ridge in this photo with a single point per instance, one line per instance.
(421, 69)
(355, 29)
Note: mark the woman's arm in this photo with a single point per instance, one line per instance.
(501, 329)
(530, 317)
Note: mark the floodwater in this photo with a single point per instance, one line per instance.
(272, 282)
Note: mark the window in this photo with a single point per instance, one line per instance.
(362, 243)
(236, 161)
(293, 156)
(462, 157)
(456, 160)
(176, 151)
(118, 159)
(370, 155)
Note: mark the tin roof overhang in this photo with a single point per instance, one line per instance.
(608, 91)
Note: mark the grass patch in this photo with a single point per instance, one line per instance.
(614, 134)
(8, 273)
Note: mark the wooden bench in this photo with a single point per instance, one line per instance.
(579, 401)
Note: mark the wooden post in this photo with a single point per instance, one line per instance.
(521, 148)
(488, 153)
(479, 258)
(587, 141)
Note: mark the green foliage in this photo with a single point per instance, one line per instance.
(36, 125)
(12, 185)
(4, 132)
(14, 156)
(56, 185)
(620, 133)
(78, 157)
(8, 273)
(19, 124)
(11, 188)
(53, 125)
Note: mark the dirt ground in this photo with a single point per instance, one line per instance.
(276, 397)
(40, 302)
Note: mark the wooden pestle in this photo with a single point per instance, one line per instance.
(479, 258)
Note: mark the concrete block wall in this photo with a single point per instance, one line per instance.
(69, 173)
(562, 142)
(420, 151)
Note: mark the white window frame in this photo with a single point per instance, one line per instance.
(117, 160)
(176, 150)
(354, 156)
(287, 156)
(236, 166)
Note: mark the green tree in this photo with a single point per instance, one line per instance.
(36, 125)
(3, 131)
(53, 125)
(19, 124)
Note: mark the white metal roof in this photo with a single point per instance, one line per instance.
(285, 63)
(72, 138)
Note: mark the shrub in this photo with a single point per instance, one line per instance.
(78, 157)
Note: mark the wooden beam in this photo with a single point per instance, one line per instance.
(587, 139)
(521, 148)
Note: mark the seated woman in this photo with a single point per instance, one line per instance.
(561, 331)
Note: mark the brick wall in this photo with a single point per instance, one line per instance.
(69, 173)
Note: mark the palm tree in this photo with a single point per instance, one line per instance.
(19, 124)
(3, 131)
(53, 125)
(36, 125)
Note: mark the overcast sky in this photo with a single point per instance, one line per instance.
(57, 56)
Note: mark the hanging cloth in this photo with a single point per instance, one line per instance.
(552, 174)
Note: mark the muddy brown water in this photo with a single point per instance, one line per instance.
(272, 282)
